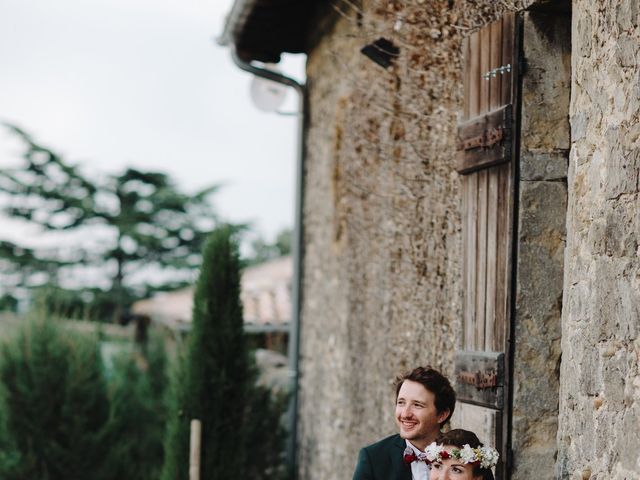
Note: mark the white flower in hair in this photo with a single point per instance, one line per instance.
(468, 454)
(489, 457)
(433, 452)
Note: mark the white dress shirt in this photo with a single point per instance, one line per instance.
(419, 470)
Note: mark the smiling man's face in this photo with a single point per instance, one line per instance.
(416, 415)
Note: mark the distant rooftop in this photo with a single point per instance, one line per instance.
(265, 295)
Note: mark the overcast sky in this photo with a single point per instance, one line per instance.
(115, 83)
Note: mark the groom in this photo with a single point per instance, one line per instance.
(425, 401)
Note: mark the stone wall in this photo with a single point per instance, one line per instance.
(544, 150)
(382, 268)
(599, 434)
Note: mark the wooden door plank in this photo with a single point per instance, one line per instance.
(495, 82)
(484, 422)
(486, 130)
(485, 64)
(492, 240)
(508, 242)
(470, 186)
(466, 78)
(466, 249)
(480, 378)
(481, 259)
(483, 158)
(508, 48)
(474, 75)
(485, 140)
(502, 255)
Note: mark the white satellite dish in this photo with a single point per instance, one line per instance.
(267, 95)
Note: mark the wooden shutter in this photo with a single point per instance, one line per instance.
(486, 150)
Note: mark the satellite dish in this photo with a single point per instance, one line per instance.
(267, 95)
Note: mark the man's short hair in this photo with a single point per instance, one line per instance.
(436, 383)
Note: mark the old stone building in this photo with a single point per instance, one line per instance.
(469, 199)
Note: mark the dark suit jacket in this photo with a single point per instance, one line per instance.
(383, 461)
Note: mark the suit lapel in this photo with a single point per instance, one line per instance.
(401, 470)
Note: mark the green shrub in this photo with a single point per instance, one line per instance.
(55, 405)
(8, 303)
(265, 434)
(137, 420)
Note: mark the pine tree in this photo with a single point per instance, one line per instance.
(143, 221)
(55, 405)
(212, 378)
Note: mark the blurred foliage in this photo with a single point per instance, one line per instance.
(127, 223)
(138, 412)
(261, 251)
(55, 405)
(265, 435)
(88, 303)
(60, 418)
(8, 303)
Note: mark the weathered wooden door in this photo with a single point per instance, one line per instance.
(487, 149)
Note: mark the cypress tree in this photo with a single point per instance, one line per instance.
(210, 383)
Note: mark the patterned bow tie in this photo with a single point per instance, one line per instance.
(410, 456)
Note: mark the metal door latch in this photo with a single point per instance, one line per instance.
(500, 70)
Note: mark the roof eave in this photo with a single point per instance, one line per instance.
(262, 30)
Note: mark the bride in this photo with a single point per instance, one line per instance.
(459, 455)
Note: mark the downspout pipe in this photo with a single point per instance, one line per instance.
(297, 247)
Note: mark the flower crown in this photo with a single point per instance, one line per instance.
(486, 457)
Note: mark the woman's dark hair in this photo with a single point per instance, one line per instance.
(459, 438)
(436, 383)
